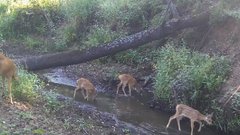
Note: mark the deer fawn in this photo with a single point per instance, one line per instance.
(86, 87)
(194, 116)
(7, 70)
(126, 79)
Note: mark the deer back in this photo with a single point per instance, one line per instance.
(85, 84)
(189, 112)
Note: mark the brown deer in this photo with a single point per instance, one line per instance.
(86, 87)
(7, 70)
(194, 116)
(126, 79)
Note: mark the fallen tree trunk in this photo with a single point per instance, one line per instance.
(132, 41)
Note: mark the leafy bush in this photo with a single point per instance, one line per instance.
(234, 118)
(100, 35)
(32, 42)
(81, 13)
(234, 13)
(227, 119)
(138, 56)
(223, 10)
(25, 88)
(18, 18)
(123, 14)
(191, 74)
(64, 36)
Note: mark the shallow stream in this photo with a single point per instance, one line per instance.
(129, 109)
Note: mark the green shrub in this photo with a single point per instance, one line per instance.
(25, 88)
(27, 18)
(192, 75)
(227, 119)
(141, 55)
(234, 13)
(100, 35)
(122, 13)
(222, 10)
(81, 13)
(65, 35)
(3, 8)
(6, 23)
(32, 42)
(138, 56)
(234, 118)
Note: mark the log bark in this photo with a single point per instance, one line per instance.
(132, 41)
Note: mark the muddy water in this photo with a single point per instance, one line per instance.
(128, 109)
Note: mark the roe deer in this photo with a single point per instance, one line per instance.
(86, 87)
(194, 116)
(126, 79)
(7, 70)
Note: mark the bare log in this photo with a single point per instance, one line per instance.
(132, 41)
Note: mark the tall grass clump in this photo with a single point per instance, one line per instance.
(188, 77)
(25, 88)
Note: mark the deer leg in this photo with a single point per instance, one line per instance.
(83, 93)
(74, 94)
(119, 85)
(123, 89)
(10, 89)
(170, 120)
(200, 126)
(130, 91)
(178, 122)
(3, 85)
(192, 126)
(87, 95)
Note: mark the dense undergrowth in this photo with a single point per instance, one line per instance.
(195, 79)
(192, 76)
(57, 25)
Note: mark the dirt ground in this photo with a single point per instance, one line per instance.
(19, 119)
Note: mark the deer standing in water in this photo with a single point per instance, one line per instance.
(126, 79)
(86, 87)
(194, 116)
(7, 70)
